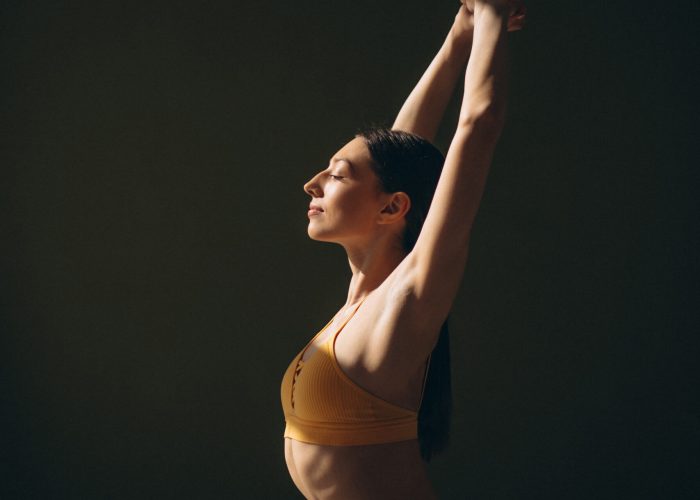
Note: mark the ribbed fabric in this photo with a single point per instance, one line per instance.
(322, 405)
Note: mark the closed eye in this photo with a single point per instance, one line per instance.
(336, 177)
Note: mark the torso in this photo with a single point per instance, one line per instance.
(381, 471)
(386, 365)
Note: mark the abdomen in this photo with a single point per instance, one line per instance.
(383, 471)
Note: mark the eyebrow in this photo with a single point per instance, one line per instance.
(352, 167)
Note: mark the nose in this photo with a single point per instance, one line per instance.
(313, 187)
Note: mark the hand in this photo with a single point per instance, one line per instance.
(464, 20)
(468, 4)
(516, 18)
(516, 12)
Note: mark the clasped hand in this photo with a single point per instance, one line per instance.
(516, 12)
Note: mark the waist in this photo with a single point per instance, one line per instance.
(389, 470)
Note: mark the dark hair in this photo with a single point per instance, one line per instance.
(406, 162)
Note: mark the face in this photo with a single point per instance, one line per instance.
(346, 198)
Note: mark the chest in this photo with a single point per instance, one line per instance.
(372, 346)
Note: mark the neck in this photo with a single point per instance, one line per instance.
(371, 265)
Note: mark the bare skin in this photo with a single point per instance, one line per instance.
(392, 470)
(405, 297)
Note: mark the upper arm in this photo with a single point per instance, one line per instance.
(439, 257)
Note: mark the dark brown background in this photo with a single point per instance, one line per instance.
(157, 278)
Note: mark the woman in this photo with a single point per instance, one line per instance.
(352, 397)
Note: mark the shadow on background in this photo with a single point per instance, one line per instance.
(157, 278)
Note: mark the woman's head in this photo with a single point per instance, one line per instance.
(407, 163)
(380, 182)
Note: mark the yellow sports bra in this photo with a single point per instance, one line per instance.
(323, 406)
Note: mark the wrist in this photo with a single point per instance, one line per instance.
(461, 36)
(462, 32)
(500, 8)
(457, 46)
(463, 25)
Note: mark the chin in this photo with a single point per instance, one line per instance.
(312, 233)
(317, 235)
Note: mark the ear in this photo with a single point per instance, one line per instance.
(397, 206)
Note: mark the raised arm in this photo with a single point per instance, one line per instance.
(425, 106)
(436, 264)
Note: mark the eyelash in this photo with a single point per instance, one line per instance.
(336, 177)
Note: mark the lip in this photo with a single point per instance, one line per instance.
(314, 210)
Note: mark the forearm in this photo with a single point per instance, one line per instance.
(485, 78)
(424, 108)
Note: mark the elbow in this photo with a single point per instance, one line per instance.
(487, 117)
